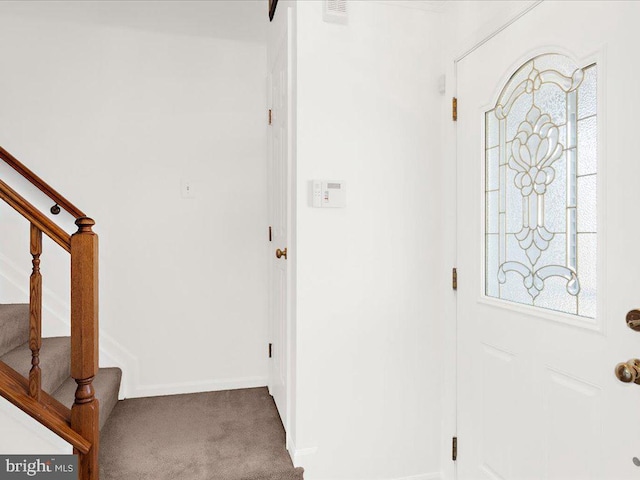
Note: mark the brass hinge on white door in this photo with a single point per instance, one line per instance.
(454, 449)
(454, 109)
(454, 278)
(269, 116)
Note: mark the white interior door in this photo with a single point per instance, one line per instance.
(279, 220)
(548, 200)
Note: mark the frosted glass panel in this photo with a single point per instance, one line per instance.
(587, 146)
(492, 212)
(552, 100)
(556, 252)
(493, 131)
(554, 296)
(493, 177)
(587, 93)
(587, 202)
(555, 198)
(518, 112)
(540, 202)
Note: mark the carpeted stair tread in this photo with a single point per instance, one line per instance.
(225, 435)
(14, 326)
(54, 361)
(106, 384)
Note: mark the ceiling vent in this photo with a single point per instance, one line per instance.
(335, 11)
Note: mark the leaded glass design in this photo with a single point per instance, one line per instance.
(540, 187)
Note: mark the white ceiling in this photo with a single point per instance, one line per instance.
(244, 20)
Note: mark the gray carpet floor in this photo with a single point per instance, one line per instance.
(229, 435)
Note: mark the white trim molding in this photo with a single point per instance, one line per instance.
(297, 454)
(197, 387)
(422, 476)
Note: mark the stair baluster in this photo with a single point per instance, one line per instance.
(84, 341)
(35, 313)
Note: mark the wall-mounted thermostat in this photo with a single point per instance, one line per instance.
(328, 194)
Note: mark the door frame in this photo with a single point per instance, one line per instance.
(450, 236)
(285, 40)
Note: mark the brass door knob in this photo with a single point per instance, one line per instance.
(633, 320)
(281, 253)
(629, 372)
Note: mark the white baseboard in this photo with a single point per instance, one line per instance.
(197, 387)
(300, 455)
(297, 454)
(298, 458)
(424, 476)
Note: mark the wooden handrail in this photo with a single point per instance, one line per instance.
(43, 186)
(48, 411)
(35, 216)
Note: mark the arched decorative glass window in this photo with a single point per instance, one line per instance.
(540, 187)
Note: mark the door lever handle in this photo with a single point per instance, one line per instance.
(629, 372)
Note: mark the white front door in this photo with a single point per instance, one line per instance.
(279, 220)
(548, 246)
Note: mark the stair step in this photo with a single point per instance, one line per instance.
(106, 384)
(14, 326)
(55, 357)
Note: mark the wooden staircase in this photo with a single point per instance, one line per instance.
(71, 410)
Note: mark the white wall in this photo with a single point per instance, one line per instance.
(22, 435)
(114, 118)
(368, 350)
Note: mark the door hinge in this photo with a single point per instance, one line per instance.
(270, 349)
(270, 237)
(454, 448)
(269, 116)
(454, 278)
(454, 109)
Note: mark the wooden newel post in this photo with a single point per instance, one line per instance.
(84, 341)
